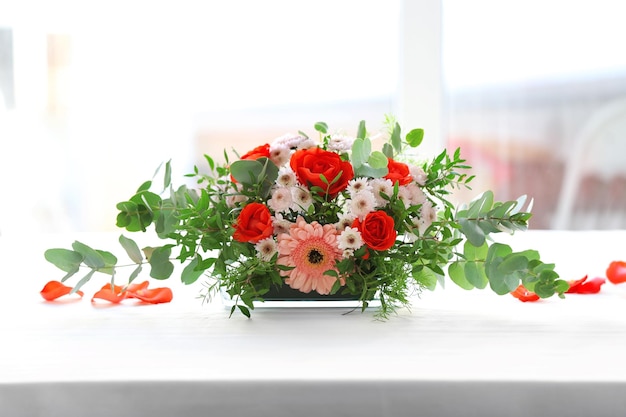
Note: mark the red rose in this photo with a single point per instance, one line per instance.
(253, 224)
(310, 164)
(262, 151)
(377, 230)
(398, 172)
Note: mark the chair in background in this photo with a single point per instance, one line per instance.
(593, 192)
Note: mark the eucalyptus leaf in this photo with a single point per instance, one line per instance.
(131, 249)
(161, 267)
(377, 160)
(191, 273)
(64, 259)
(91, 257)
(457, 275)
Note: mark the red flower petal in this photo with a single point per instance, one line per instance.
(153, 296)
(616, 272)
(54, 289)
(522, 294)
(582, 286)
(114, 295)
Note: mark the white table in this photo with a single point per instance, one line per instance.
(455, 353)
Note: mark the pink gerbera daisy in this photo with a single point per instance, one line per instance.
(311, 249)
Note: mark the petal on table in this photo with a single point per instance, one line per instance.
(55, 289)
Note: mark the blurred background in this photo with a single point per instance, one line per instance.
(95, 95)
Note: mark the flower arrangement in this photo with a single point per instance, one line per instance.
(327, 216)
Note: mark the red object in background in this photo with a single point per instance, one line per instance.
(616, 272)
(522, 294)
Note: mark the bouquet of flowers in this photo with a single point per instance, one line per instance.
(326, 216)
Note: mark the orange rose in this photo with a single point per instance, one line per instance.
(398, 172)
(253, 224)
(377, 230)
(262, 151)
(310, 164)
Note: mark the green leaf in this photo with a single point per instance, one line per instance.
(377, 160)
(91, 257)
(481, 205)
(427, 277)
(321, 127)
(361, 131)
(135, 274)
(161, 267)
(83, 281)
(361, 149)
(388, 150)
(396, 140)
(475, 275)
(472, 253)
(513, 263)
(414, 137)
(457, 275)
(131, 249)
(167, 178)
(475, 235)
(244, 310)
(190, 274)
(64, 259)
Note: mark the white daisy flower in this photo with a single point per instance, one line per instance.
(347, 254)
(428, 215)
(233, 200)
(281, 199)
(404, 195)
(289, 140)
(279, 154)
(266, 248)
(418, 174)
(301, 198)
(381, 185)
(356, 185)
(286, 177)
(417, 195)
(280, 224)
(350, 238)
(362, 203)
(345, 220)
(340, 143)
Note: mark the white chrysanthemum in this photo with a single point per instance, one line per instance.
(381, 185)
(340, 143)
(232, 200)
(404, 195)
(428, 215)
(279, 154)
(289, 140)
(361, 204)
(356, 185)
(306, 144)
(281, 199)
(266, 248)
(280, 224)
(417, 194)
(301, 197)
(345, 220)
(347, 254)
(350, 238)
(418, 174)
(286, 177)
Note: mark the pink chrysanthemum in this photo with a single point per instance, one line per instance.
(311, 249)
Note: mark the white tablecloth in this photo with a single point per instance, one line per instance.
(454, 353)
